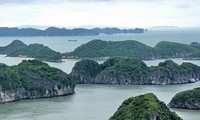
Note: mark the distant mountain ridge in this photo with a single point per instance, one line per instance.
(54, 31)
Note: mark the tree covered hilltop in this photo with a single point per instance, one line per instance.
(133, 49)
(33, 79)
(189, 99)
(38, 51)
(96, 49)
(134, 71)
(144, 107)
(53, 31)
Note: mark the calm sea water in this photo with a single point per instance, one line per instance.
(150, 38)
(95, 102)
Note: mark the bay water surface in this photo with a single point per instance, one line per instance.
(95, 102)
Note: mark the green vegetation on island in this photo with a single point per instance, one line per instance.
(167, 49)
(26, 74)
(15, 45)
(99, 48)
(144, 107)
(189, 99)
(133, 49)
(134, 71)
(194, 56)
(105, 49)
(38, 51)
(33, 79)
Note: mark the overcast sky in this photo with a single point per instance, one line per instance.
(118, 13)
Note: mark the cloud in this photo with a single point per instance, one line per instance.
(183, 6)
(124, 13)
(62, 1)
(47, 1)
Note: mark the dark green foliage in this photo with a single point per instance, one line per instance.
(169, 66)
(135, 71)
(15, 45)
(189, 67)
(144, 107)
(194, 55)
(29, 75)
(133, 49)
(128, 67)
(166, 49)
(185, 96)
(99, 48)
(38, 51)
(110, 62)
(88, 67)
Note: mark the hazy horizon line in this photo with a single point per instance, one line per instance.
(94, 26)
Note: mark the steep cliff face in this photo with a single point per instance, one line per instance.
(33, 79)
(144, 107)
(189, 99)
(132, 71)
(20, 94)
(85, 71)
(169, 72)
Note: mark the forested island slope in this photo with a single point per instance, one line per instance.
(105, 49)
(13, 46)
(144, 107)
(38, 51)
(189, 99)
(33, 79)
(132, 48)
(134, 71)
(100, 48)
(166, 49)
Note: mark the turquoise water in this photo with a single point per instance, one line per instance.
(95, 102)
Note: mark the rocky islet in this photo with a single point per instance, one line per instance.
(134, 71)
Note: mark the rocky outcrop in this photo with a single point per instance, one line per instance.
(144, 107)
(189, 99)
(33, 79)
(133, 71)
(20, 94)
(15, 45)
(85, 71)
